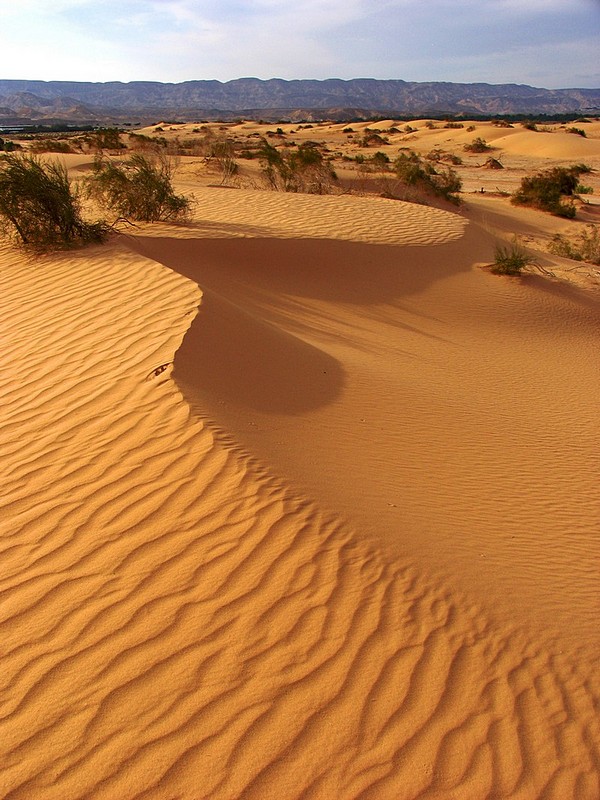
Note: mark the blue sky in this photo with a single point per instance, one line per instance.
(548, 43)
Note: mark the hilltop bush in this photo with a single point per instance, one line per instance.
(301, 170)
(105, 139)
(140, 188)
(39, 205)
(546, 189)
(412, 170)
(478, 145)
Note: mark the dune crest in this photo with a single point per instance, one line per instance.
(175, 622)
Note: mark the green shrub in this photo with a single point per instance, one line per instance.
(545, 190)
(412, 170)
(301, 170)
(510, 259)
(38, 204)
(140, 188)
(380, 160)
(578, 131)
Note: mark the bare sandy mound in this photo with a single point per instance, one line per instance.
(449, 411)
(177, 623)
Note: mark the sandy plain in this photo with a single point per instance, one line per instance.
(301, 501)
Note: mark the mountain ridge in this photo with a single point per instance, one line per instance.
(101, 101)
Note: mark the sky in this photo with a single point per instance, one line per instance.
(547, 43)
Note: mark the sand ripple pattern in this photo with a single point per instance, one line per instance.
(174, 624)
(249, 213)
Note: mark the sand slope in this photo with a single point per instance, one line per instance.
(176, 622)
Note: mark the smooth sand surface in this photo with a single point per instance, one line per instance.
(299, 501)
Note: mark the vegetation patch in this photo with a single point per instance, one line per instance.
(413, 170)
(478, 145)
(510, 260)
(301, 170)
(547, 189)
(584, 247)
(40, 207)
(138, 189)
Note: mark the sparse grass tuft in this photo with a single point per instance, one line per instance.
(510, 259)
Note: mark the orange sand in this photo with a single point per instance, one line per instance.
(365, 565)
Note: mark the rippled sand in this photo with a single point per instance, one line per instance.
(363, 566)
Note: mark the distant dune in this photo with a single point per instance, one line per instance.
(300, 501)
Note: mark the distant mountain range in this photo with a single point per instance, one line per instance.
(23, 102)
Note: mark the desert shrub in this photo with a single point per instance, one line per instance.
(107, 139)
(139, 141)
(39, 205)
(454, 125)
(49, 145)
(529, 125)
(582, 189)
(7, 146)
(578, 131)
(501, 123)
(409, 129)
(478, 145)
(585, 247)
(471, 128)
(437, 155)
(430, 125)
(220, 154)
(140, 188)
(380, 160)
(545, 190)
(510, 259)
(373, 138)
(412, 170)
(301, 170)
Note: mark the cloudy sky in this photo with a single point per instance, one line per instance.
(549, 43)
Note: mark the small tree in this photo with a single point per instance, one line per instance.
(38, 203)
(140, 188)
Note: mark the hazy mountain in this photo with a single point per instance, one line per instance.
(99, 102)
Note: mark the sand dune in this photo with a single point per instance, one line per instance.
(278, 595)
